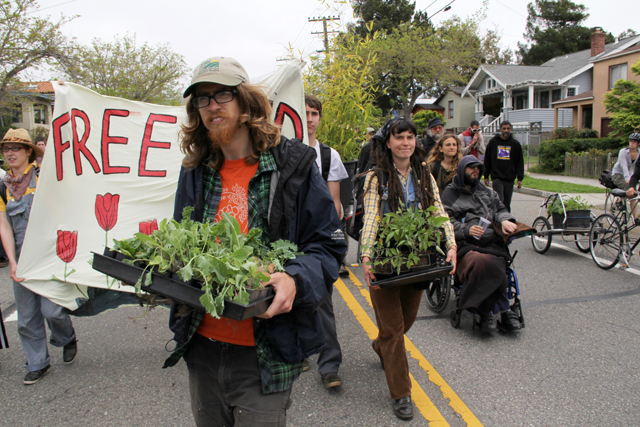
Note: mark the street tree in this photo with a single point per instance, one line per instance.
(554, 28)
(415, 60)
(623, 103)
(125, 69)
(628, 33)
(27, 42)
(422, 118)
(345, 82)
(385, 15)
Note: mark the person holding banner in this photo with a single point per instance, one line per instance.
(241, 372)
(17, 190)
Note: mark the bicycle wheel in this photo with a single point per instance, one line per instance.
(438, 294)
(605, 241)
(608, 201)
(582, 242)
(541, 242)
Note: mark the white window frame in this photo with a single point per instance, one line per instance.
(575, 88)
(620, 70)
(450, 106)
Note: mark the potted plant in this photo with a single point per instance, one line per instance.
(407, 240)
(225, 265)
(578, 212)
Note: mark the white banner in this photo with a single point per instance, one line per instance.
(110, 170)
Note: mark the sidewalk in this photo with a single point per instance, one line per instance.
(596, 199)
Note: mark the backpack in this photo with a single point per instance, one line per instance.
(325, 160)
(605, 179)
(355, 221)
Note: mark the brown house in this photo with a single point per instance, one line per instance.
(608, 67)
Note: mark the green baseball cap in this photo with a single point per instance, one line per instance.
(218, 69)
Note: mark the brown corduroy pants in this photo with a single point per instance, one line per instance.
(396, 309)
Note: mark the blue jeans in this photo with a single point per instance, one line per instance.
(226, 388)
(33, 311)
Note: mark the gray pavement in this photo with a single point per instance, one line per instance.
(574, 364)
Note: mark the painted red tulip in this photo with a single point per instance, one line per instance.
(107, 210)
(148, 227)
(66, 245)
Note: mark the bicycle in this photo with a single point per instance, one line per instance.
(609, 241)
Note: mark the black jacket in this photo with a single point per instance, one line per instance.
(428, 143)
(303, 212)
(465, 208)
(503, 159)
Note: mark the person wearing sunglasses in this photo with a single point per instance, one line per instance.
(17, 190)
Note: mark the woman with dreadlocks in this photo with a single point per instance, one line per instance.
(409, 182)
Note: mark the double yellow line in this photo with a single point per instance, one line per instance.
(422, 401)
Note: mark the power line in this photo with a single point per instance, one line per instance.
(49, 7)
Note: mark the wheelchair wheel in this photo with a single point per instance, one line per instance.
(582, 242)
(455, 317)
(605, 241)
(541, 243)
(438, 294)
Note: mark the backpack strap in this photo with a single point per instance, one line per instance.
(325, 160)
(3, 192)
(382, 185)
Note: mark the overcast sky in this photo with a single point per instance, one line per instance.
(258, 32)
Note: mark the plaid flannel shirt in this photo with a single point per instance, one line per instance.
(276, 376)
(372, 215)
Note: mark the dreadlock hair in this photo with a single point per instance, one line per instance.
(381, 155)
(255, 114)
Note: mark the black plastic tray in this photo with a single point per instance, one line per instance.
(411, 278)
(169, 285)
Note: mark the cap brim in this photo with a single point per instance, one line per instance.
(221, 80)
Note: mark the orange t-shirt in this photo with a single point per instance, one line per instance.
(235, 176)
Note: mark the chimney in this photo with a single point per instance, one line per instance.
(597, 41)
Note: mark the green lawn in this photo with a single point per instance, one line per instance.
(559, 186)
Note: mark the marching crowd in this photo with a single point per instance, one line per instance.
(241, 372)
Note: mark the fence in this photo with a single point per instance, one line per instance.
(588, 166)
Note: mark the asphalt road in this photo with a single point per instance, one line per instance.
(573, 365)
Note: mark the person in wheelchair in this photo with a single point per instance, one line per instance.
(482, 254)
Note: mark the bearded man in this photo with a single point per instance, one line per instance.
(482, 253)
(504, 162)
(241, 372)
(435, 131)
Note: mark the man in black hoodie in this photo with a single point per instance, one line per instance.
(481, 251)
(503, 161)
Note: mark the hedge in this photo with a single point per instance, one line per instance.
(552, 151)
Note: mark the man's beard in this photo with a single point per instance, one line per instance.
(222, 135)
(469, 180)
(437, 136)
(505, 135)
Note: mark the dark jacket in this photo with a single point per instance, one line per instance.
(465, 208)
(303, 212)
(428, 143)
(503, 159)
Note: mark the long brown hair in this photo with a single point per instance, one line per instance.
(437, 154)
(256, 116)
(381, 155)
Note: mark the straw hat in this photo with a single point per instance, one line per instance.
(21, 136)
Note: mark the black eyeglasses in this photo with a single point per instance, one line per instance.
(221, 97)
(15, 148)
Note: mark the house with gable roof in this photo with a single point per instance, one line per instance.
(527, 94)
(36, 108)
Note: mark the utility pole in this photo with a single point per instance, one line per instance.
(324, 20)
